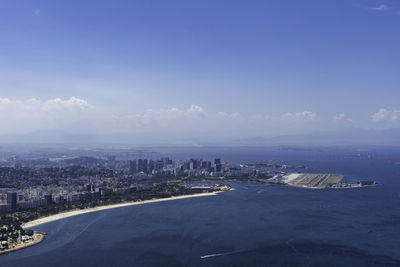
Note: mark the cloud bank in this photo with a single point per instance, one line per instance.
(76, 115)
(341, 118)
(386, 115)
(300, 116)
(18, 116)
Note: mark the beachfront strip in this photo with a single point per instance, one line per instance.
(23, 241)
(15, 233)
(35, 189)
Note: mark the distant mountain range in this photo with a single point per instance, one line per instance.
(372, 137)
(390, 137)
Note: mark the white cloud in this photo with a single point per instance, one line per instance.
(380, 115)
(36, 11)
(196, 120)
(58, 103)
(341, 117)
(78, 116)
(395, 115)
(300, 116)
(384, 114)
(229, 116)
(160, 119)
(33, 114)
(381, 8)
(195, 109)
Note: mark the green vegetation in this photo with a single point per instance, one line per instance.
(11, 223)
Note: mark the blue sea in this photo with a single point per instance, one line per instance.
(254, 225)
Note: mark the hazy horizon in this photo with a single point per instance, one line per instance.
(198, 72)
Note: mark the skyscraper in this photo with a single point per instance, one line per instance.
(145, 166)
(132, 166)
(159, 165)
(140, 165)
(194, 164)
(48, 199)
(218, 166)
(209, 166)
(151, 166)
(12, 200)
(204, 164)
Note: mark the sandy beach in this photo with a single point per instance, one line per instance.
(125, 204)
(37, 238)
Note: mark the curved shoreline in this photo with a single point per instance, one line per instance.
(38, 237)
(71, 213)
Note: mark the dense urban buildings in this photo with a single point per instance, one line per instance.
(29, 183)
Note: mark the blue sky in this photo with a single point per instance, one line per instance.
(260, 61)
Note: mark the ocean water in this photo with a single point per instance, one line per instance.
(254, 225)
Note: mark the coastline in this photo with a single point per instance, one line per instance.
(38, 237)
(71, 213)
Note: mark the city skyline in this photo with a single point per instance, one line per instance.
(199, 133)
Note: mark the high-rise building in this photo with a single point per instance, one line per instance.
(90, 188)
(204, 164)
(151, 166)
(218, 167)
(145, 166)
(159, 165)
(193, 164)
(140, 165)
(209, 166)
(132, 166)
(165, 160)
(12, 200)
(48, 199)
(186, 165)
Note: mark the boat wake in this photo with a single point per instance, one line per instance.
(221, 254)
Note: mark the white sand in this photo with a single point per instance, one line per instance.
(78, 212)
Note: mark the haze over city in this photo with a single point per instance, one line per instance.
(199, 133)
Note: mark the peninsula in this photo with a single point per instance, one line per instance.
(316, 181)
